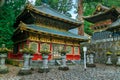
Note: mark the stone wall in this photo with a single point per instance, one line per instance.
(100, 49)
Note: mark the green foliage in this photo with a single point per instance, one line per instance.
(38, 2)
(8, 13)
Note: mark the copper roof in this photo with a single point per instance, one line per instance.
(114, 25)
(45, 10)
(109, 14)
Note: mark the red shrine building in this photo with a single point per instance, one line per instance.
(37, 25)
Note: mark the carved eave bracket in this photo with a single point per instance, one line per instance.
(22, 26)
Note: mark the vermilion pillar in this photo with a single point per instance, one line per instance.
(28, 42)
(72, 49)
(38, 46)
(51, 47)
(79, 49)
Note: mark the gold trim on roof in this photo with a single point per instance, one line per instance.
(22, 26)
(32, 8)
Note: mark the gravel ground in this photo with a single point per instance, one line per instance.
(76, 72)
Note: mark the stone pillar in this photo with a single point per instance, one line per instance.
(3, 67)
(45, 61)
(26, 65)
(26, 69)
(91, 59)
(31, 60)
(118, 61)
(90, 63)
(109, 62)
(63, 67)
(44, 68)
(88, 60)
(63, 61)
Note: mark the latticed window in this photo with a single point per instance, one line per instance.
(44, 46)
(76, 50)
(55, 50)
(34, 46)
(69, 49)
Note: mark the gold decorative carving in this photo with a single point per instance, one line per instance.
(22, 26)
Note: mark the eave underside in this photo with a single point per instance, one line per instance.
(53, 33)
(111, 14)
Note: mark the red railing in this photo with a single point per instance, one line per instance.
(72, 57)
(39, 56)
(15, 56)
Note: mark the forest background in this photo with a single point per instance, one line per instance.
(10, 9)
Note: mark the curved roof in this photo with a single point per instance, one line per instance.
(48, 10)
(102, 13)
(114, 25)
(55, 32)
(45, 10)
(109, 14)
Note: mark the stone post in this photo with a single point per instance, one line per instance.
(45, 65)
(118, 61)
(26, 69)
(64, 61)
(31, 60)
(63, 67)
(26, 65)
(88, 60)
(109, 62)
(3, 67)
(91, 59)
(45, 61)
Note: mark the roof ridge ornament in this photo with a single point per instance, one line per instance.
(29, 5)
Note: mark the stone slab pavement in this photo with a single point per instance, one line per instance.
(76, 72)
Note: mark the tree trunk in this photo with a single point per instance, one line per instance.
(80, 14)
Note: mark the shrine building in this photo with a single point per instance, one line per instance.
(37, 25)
(102, 19)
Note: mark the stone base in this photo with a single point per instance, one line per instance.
(90, 65)
(117, 64)
(4, 71)
(109, 64)
(42, 70)
(63, 68)
(24, 72)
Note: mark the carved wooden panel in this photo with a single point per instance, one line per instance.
(34, 46)
(76, 50)
(69, 49)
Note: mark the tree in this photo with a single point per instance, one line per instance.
(8, 14)
(62, 6)
(2, 2)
